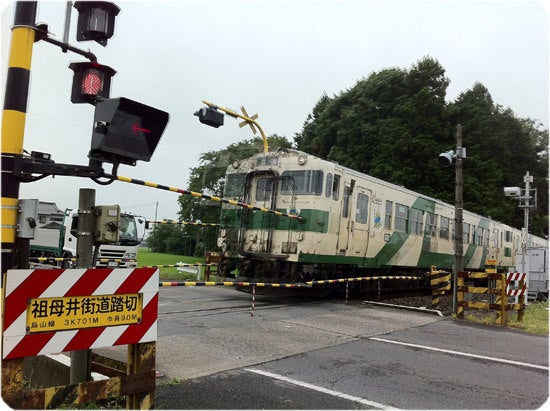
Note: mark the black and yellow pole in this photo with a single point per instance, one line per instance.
(13, 120)
(202, 195)
(13, 128)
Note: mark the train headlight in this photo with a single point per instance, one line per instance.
(236, 164)
(302, 160)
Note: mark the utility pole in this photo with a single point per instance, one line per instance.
(446, 159)
(13, 121)
(526, 204)
(459, 202)
(81, 359)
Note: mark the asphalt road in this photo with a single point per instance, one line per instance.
(304, 354)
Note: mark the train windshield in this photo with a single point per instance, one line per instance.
(128, 230)
(234, 185)
(302, 182)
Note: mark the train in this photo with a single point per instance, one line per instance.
(351, 225)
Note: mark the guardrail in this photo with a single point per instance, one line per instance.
(497, 291)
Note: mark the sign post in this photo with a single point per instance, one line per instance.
(81, 360)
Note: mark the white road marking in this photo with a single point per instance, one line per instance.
(464, 354)
(321, 389)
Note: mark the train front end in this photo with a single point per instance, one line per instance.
(261, 244)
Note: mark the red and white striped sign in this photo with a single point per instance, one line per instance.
(512, 278)
(23, 285)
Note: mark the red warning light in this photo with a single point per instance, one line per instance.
(92, 83)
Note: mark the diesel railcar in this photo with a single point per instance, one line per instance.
(351, 224)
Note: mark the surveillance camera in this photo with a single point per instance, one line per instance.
(512, 191)
(446, 159)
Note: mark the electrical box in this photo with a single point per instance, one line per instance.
(27, 217)
(107, 224)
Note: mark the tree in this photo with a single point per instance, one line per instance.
(167, 238)
(501, 149)
(391, 125)
(394, 123)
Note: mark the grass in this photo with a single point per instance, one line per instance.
(148, 258)
(535, 318)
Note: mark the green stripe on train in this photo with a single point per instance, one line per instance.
(424, 204)
(312, 220)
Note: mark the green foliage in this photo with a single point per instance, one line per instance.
(535, 319)
(501, 148)
(171, 238)
(393, 125)
(148, 258)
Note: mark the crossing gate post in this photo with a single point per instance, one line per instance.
(502, 301)
(440, 281)
(460, 296)
(141, 360)
(211, 258)
(521, 308)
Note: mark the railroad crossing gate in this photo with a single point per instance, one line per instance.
(52, 311)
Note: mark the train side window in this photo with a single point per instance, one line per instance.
(316, 186)
(401, 217)
(508, 237)
(444, 228)
(362, 212)
(389, 213)
(345, 202)
(336, 187)
(431, 224)
(415, 221)
(465, 233)
(479, 236)
(302, 182)
(328, 185)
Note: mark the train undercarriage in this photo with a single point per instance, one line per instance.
(280, 271)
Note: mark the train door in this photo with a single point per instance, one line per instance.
(261, 191)
(359, 224)
(344, 229)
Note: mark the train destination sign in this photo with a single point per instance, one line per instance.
(78, 312)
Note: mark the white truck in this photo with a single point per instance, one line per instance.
(53, 240)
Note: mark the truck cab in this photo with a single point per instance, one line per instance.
(55, 239)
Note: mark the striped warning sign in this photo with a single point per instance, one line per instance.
(513, 289)
(49, 311)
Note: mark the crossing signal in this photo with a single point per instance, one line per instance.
(91, 82)
(126, 131)
(96, 20)
(210, 117)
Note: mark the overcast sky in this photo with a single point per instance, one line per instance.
(276, 58)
